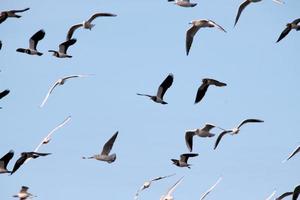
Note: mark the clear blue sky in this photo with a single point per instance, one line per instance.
(132, 53)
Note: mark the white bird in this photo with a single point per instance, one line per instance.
(33, 41)
(184, 3)
(169, 196)
(60, 81)
(271, 195)
(24, 194)
(297, 150)
(210, 189)
(62, 49)
(148, 183)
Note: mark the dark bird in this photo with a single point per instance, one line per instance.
(62, 49)
(196, 25)
(4, 162)
(206, 82)
(23, 194)
(24, 157)
(33, 41)
(4, 93)
(235, 130)
(289, 27)
(11, 13)
(295, 194)
(297, 150)
(183, 160)
(164, 86)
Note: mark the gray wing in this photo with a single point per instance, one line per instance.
(210, 189)
(164, 86)
(71, 31)
(18, 163)
(36, 38)
(208, 127)
(215, 82)
(184, 157)
(34, 154)
(220, 137)
(241, 8)
(284, 33)
(190, 37)
(296, 21)
(48, 93)
(63, 47)
(6, 158)
(201, 91)
(249, 121)
(217, 25)
(189, 139)
(101, 15)
(109, 144)
(284, 195)
(296, 193)
(161, 177)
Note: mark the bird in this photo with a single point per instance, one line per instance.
(11, 13)
(164, 86)
(60, 81)
(104, 156)
(183, 160)
(169, 195)
(206, 82)
(148, 183)
(62, 49)
(23, 194)
(270, 197)
(235, 130)
(4, 162)
(297, 150)
(242, 7)
(184, 3)
(24, 157)
(295, 194)
(210, 189)
(289, 26)
(203, 132)
(33, 41)
(4, 93)
(87, 24)
(196, 25)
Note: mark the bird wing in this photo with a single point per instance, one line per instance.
(190, 37)
(33, 41)
(71, 31)
(161, 177)
(100, 15)
(3, 16)
(296, 21)
(18, 163)
(249, 121)
(48, 94)
(296, 193)
(4, 93)
(284, 33)
(24, 189)
(17, 11)
(7, 157)
(208, 127)
(284, 195)
(37, 154)
(201, 92)
(297, 150)
(220, 137)
(147, 95)
(63, 47)
(184, 157)
(109, 144)
(215, 82)
(189, 139)
(171, 190)
(164, 86)
(216, 25)
(241, 8)
(210, 189)
(271, 195)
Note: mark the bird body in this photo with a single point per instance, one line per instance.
(4, 162)
(183, 160)
(33, 41)
(184, 3)
(297, 150)
(63, 47)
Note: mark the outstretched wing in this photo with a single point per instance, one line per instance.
(6, 158)
(284, 195)
(71, 31)
(100, 15)
(216, 25)
(249, 121)
(36, 38)
(190, 37)
(48, 94)
(210, 189)
(3, 16)
(241, 8)
(296, 21)
(184, 157)
(284, 33)
(214, 82)
(297, 150)
(171, 190)
(164, 86)
(161, 177)
(17, 11)
(18, 163)
(63, 47)
(189, 139)
(296, 193)
(4, 93)
(220, 137)
(201, 92)
(109, 144)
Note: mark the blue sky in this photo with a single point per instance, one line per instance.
(132, 53)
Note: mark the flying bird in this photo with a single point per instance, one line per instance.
(184, 3)
(183, 160)
(4, 162)
(148, 183)
(164, 86)
(4, 93)
(206, 82)
(24, 194)
(104, 156)
(24, 157)
(60, 81)
(295, 194)
(235, 130)
(169, 195)
(297, 150)
(289, 26)
(62, 49)
(210, 189)
(11, 13)
(196, 25)
(33, 41)
(87, 24)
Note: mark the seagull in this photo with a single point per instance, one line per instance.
(295, 194)
(206, 82)
(196, 25)
(148, 183)
(60, 81)
(62, 49)
(33, 41)
(10, 13)
(23, 194)
(270, 197)
(289, 26)
(104, 156)
(4, 93)
(235, 130)
(203, 132)
(242, 7)
(184, 3)
(87, 24)
(297, 150)
(4, 162)
(169, 196)
(164, 86)
(24, 157)
(183, 160)
(210, 189)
